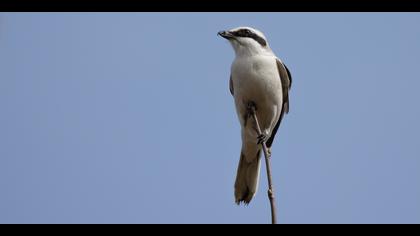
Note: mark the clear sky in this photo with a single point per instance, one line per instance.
(127, 118)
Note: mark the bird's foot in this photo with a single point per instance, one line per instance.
(262, 138)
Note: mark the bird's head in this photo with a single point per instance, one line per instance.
(246, 40)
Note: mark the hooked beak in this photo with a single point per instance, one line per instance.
(225, 34)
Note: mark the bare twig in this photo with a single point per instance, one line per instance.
(268, 167)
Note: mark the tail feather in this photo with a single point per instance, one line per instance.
(247, 178)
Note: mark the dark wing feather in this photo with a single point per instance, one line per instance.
(288, 75)
(231, 85)
(286, 83)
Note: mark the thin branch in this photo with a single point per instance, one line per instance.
(270, 191)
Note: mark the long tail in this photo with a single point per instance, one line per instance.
(247, 177)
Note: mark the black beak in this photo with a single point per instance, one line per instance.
(225, 34)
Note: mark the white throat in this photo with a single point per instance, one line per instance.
(248, 48)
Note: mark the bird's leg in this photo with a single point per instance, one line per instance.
(251, 111)
(251, 108)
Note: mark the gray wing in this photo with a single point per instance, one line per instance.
(231, 85)
(286, 83)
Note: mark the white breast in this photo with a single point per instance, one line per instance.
(256, 79)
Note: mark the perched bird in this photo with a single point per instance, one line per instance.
(260, 79)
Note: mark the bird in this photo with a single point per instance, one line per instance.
(261, 80)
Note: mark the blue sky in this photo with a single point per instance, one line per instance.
(127, 118)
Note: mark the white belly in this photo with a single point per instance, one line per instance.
(257, 79)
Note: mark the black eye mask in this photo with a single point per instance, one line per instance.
(249, 34)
